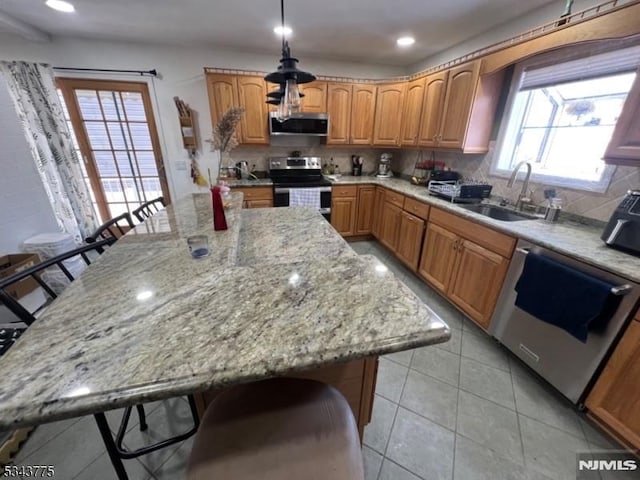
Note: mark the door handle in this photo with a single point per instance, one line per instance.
(616, 231)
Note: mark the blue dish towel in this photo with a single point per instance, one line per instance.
(565, 297)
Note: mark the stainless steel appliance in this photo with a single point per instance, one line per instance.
(384, 166)
(565, 362)
(299, 172)
(306, 124)
(623, 230)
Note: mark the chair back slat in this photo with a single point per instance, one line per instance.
(147, 209)
(34, 272)
(108, 229)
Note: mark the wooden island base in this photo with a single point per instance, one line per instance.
(356, 380)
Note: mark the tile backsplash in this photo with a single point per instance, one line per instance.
(258, 156)
(599, 206)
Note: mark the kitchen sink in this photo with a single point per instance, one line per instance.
(499, 213)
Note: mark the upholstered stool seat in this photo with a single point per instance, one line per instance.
(280, 429)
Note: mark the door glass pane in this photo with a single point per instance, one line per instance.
(117, 209)
(97, 134)
(141, 137)
(130, 190)
(112, 190)
(147, 164)
(105, 164)
(112, 105)
(134, 107)
(152, 187)
(124, 163)
(89, 105)
(119, 135)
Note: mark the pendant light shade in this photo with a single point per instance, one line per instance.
(288, 76)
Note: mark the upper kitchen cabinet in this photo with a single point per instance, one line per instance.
(412, 112)
(223, 95)
(388, 119)
(252, 94)
(339, 110)
(249, 92)
(464, 119)
(315, 97)
(363, 108)
(435, 88)
(624, 147)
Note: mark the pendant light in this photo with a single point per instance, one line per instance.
(288, 76)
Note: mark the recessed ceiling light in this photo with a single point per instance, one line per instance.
(60, 5)
(280, 30)
(406, 41)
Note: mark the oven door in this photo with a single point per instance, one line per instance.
(281, 199)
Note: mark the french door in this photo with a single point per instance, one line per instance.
(116, 137)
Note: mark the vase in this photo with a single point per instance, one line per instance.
(227, 169)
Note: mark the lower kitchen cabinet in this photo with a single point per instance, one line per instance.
(378, 208)
(614, 401)
(391, 217)
(438, 257)
(365, 210)
(468, 274)
(410, 239)
(343, 215)
(477, 280)
(256, 197)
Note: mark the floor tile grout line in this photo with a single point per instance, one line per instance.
(515, 402)
(395, 416)
(45, 443)
(455, 433)
(404, 468)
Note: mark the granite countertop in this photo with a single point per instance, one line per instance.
(281, 292)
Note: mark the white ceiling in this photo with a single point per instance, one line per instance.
(360, 30)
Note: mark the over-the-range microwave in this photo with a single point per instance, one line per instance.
(311, 124)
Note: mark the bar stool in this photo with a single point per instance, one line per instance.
(147, 209)
(112, 228)
(282, 429)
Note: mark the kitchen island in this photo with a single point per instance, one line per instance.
(281, 293)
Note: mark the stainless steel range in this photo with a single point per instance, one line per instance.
(296, 178)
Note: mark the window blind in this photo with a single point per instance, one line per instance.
(609, 63)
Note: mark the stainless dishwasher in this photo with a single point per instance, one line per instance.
(565, 362)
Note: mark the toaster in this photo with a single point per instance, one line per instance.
(623, 230)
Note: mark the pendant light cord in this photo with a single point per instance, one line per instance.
(282, 20)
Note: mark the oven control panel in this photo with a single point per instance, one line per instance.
(294, 163)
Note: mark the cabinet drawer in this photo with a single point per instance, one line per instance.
(255, 193)
(344, 191)
(488, 238)
(414, 207)
(392, 197)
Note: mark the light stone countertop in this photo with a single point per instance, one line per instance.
(281, 292)
(570, 238)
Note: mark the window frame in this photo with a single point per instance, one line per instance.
(600, 186)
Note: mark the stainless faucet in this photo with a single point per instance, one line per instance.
(522, 197)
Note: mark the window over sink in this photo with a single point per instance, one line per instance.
(560, 116)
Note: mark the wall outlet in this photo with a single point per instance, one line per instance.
(180, 165)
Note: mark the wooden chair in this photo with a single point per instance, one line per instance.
(279, 429)
(147, 209)
(112, 228)
(115, 447)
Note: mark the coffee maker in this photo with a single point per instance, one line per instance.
(384, 166)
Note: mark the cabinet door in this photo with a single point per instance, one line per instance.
(461, 89)
(364, 218)
(477, 281)
(391, 216)
(435, 88)
(343, 215)
(615, 399)
(624, 147)
(315, 97)
(410, 240)
(223, 95)
(412, 112)
(438, 256)
(339, 110)
(378, 208)
(252, 95)
(363, 108)
(389, 106)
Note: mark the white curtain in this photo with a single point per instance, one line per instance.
(32, 88)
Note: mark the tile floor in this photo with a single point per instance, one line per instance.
(463, 410)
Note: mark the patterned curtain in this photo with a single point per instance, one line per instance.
(35, 98)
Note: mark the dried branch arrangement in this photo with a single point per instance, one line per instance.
(223, 137)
